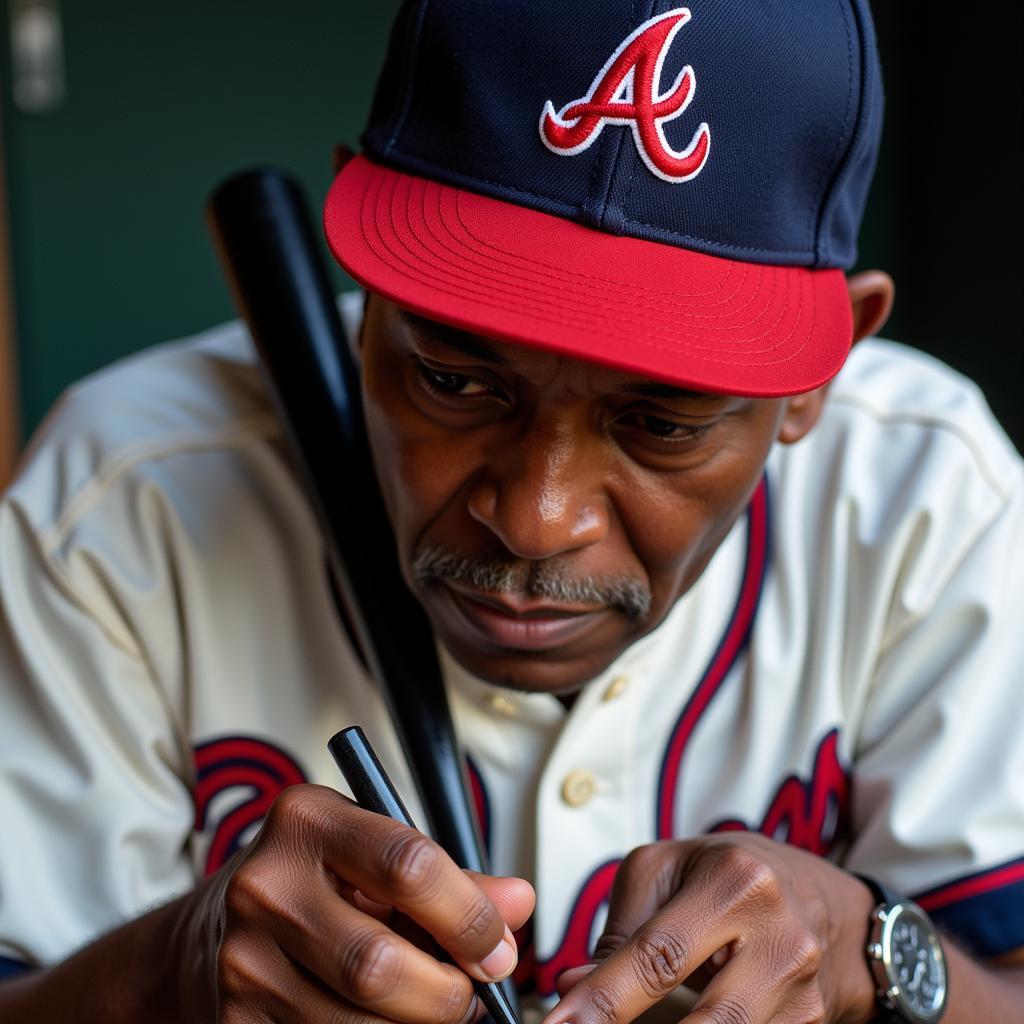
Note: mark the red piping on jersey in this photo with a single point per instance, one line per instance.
(481, 803)
(974, 885)
(732, 645)
(574, 949)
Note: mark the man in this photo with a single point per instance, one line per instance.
(722, 632)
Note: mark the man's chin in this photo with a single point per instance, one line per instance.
(532, 671)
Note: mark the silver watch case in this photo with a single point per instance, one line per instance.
(897, 929)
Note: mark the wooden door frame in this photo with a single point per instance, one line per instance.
(9, 410)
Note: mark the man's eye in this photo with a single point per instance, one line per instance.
(453, 384)
(667, 430)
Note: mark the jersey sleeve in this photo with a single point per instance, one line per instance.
(938, 785)
(94, 796)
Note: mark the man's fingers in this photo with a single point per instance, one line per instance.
(255, 987)
(514, 898)
(381, 911)
(399, 866)
(316, 1006)
(281, 992)
(412, 872)
(759, 982)
(655, 960)
(645, 882)
(759, 990)
(633, 979)
(366, 963)
(728, 927)
(735, 993)
(568, 979)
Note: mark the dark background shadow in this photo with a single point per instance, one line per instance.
(945, 214)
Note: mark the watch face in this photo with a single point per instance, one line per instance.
(914, 964)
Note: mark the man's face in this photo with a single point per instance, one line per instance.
(548, 512)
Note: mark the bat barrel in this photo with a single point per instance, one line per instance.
(270, 252)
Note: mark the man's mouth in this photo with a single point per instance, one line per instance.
(520, 622)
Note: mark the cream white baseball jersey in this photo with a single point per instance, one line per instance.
(844, 676)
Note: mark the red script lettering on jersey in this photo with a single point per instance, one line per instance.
(626, 92)
(237, 779)
(812, 814)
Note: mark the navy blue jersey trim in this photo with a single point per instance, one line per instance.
(988, 925)
(984, 911)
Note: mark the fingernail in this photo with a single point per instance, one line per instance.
(501, 961)
(473, 1013)
(573, 976)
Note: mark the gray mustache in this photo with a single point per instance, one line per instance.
(549, 579)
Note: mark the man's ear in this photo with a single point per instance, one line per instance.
(802, 412)
(871, 297)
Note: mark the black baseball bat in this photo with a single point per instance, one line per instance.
(270, 254)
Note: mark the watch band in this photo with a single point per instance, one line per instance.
(882, 893)
(885, 900)
(884, 896)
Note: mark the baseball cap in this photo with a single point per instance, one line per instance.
(671, 191)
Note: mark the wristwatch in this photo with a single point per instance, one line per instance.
(906, 960)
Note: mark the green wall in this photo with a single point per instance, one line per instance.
(164, 100)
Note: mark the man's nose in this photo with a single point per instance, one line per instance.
(541, 495)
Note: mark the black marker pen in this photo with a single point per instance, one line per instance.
(374, 791)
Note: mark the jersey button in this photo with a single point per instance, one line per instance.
(578, 787)
(616, 688)
(501, 705)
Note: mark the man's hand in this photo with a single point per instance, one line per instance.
(326, 917)
(765, 931)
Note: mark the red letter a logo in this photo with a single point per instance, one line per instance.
(625, 91)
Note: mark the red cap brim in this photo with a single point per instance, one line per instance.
(512, 273)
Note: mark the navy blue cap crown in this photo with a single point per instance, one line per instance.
(763, 151)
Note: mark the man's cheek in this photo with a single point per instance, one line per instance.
(663, 529)
(426, 486)
(675, 543)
